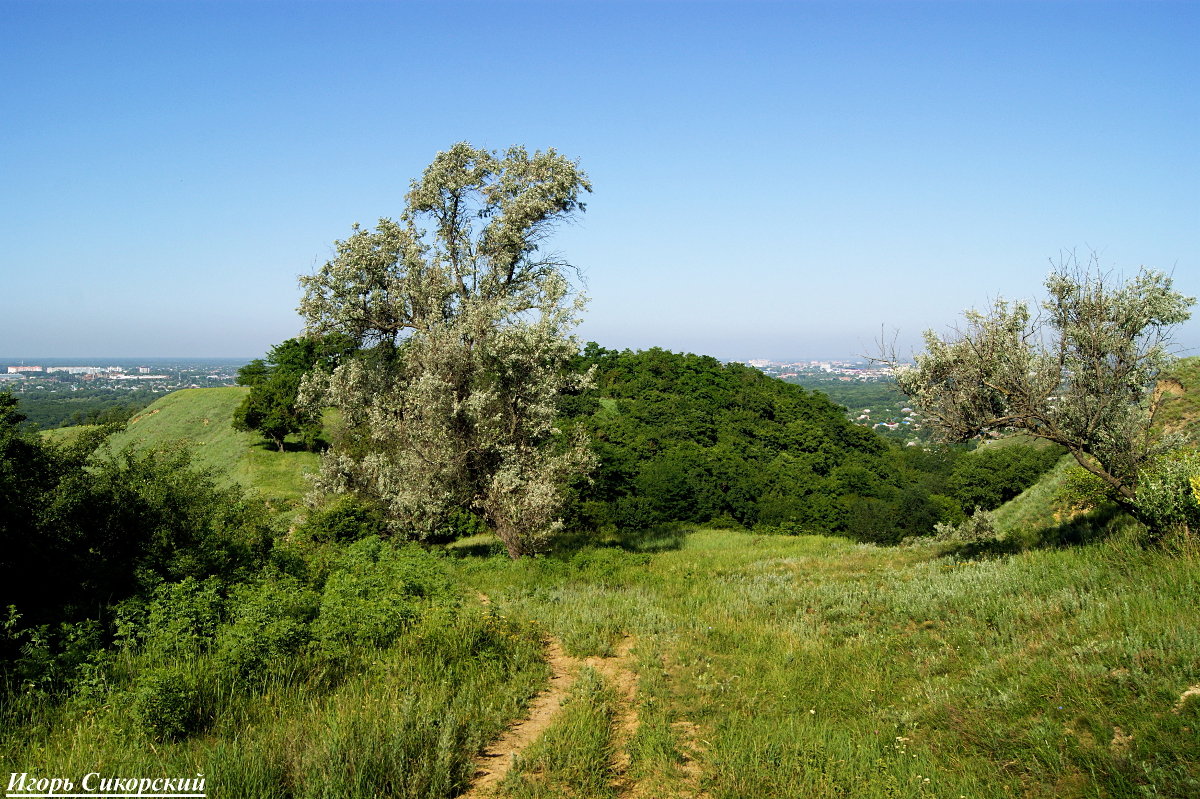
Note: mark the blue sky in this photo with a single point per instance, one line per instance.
(772, 179)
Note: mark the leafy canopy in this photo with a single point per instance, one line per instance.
(1081, 374)
(272, 406)
(463, 326)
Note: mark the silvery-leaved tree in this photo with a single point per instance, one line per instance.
(1082, 373)
(464, 326)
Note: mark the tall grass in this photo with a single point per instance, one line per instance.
(768, 666)
(405, 721)
(574, 755)
(813, 667)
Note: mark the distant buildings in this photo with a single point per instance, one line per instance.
(88, 374)
(840, 370)
(830, 374)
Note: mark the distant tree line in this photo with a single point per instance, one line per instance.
(51, 409)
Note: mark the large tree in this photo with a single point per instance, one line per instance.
(463, 323)
(1081, 373)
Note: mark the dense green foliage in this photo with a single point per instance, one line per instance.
(685, 438)
(52, 409)
(991, 476)
(159, 608)
(272, 407)
(83, 529)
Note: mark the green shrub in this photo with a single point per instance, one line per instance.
(347, 519)
(1081, 490)
(462, 523)
(376, 590)
(269, 621)
(50, 658)
(1166, 498)
(165, 703)
(179, 619)
(976, 535)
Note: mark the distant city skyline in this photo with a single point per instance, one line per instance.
(770, 177)
(133, 360)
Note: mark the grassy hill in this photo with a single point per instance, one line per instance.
(200, 419)
(711, 663)
(1182, 409)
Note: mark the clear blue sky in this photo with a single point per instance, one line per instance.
(772, 179)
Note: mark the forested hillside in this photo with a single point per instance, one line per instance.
(686, 438)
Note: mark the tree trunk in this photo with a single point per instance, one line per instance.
(512, 541)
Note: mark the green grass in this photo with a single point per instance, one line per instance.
(1017, 440)
(1182, 408)
(201, 418)
(814, 667)
(573, 756)
(405, 722)
(65, 435)
(768, 666)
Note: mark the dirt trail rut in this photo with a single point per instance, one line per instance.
(623, 679)
(497, 760)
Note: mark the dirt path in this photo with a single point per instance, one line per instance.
(617, 673)
(497, 760)
(685, 782)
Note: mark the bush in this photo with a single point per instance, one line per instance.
(978, 528)
(974, 536)
(269, 622)
(1166, 498)
(346, 519)
(166, 703)
(374, 593)
(179, 620)
(50, 659)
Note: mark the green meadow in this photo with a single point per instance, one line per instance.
(765, 666)
(815, 667)
(697, 662)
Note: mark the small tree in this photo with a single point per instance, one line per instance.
(464, 329)
(1081, 374)
(271, 407)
